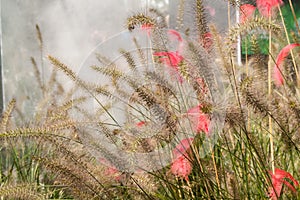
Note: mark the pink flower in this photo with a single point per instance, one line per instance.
(113, 172)
(279, 60)
(265, 7)
(199, 120)
(175, 35)
(172, 60)
(181, 167)
(110, 170)
(278, 180)
(247, 11)
(202, 85)
(211, 11)
(147, 28)
(140, 124)
(182, 147)
(278, 76)
(207, 40)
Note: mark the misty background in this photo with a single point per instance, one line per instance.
(70, 30)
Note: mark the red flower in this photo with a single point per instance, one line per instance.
(199, 120)
(265, 6)
(182, 147)
(247, 11)
(171, 59)
(279, 60)
(181, 167)
(278, 181)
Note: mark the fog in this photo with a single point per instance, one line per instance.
(70, 30)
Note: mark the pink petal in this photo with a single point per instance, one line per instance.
(290, 186)
(247, 11)
(278, 76)
(202, 85)
(278, 181)
(182, 147)
(275, 190)
(199, 120)
(279, 173)
(161, 53)
(147, 28)
(279, 60)
(113, 172)
(265, 6)
(175, 35)
(140, 124)
(207, 40)
(284, 53)
(211, 10)
(171, 59)
(181, 167)
(174, 58)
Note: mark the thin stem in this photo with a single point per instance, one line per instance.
(215, 166)
(238, 48)
(269, 94)
(294, 15)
